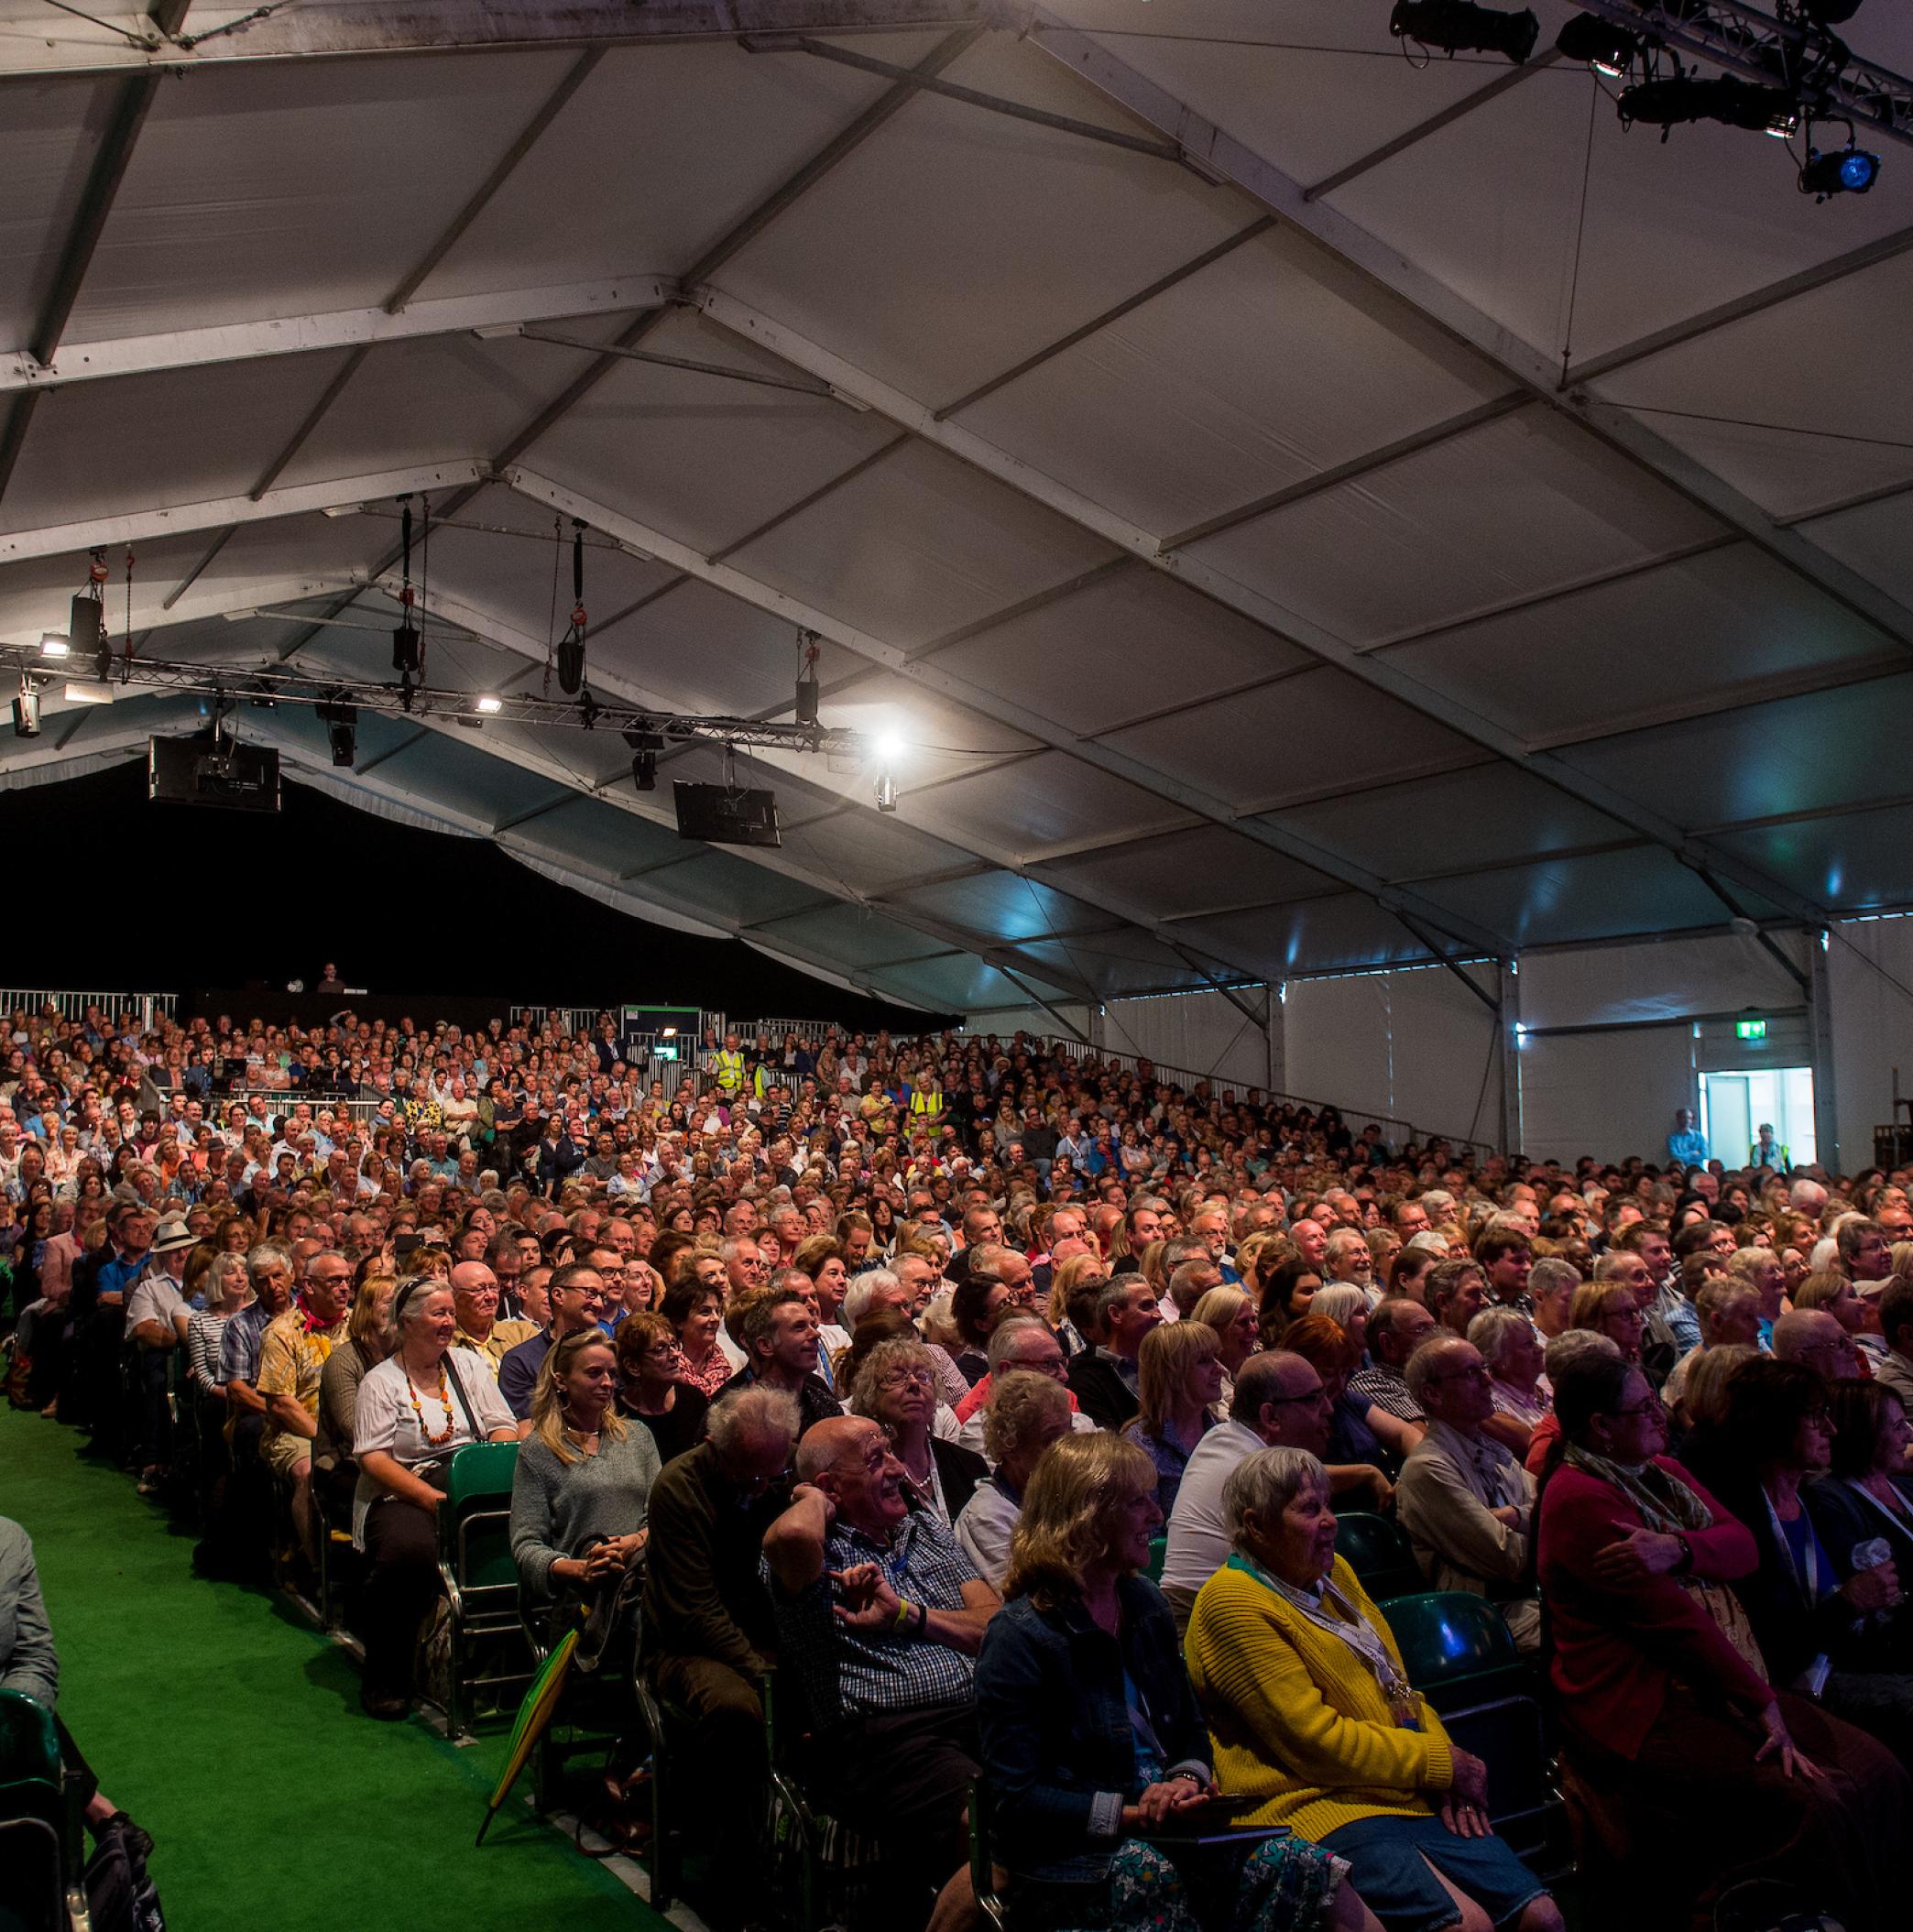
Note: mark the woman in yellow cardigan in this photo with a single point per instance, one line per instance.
(1314, 1720)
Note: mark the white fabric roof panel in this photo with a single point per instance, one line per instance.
(1485, 667)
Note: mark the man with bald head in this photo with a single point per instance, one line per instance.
(1816, 1340)
(881, 1614)
(475, 1300)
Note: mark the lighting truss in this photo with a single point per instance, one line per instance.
(235, 685)
(1784, 51)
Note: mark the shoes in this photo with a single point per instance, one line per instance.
(387, 1709)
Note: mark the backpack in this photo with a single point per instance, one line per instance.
(120, 1893)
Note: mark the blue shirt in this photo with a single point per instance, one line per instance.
(1689, 1149)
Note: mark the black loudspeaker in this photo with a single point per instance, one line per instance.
(208, 772)
(726, 814)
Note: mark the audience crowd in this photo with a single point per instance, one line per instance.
(1000, 1413)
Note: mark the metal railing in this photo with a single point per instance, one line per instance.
(115, 1007)
(1397, 1131)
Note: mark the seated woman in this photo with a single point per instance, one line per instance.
(1238, 1329)
(1026, 1413)
(693, 1305)
(584, 1475)
(1315, 1721)
(1664, 1700)
(336, 1475)
(1180, 1379)
(895, 1385)
(1869, 1490)
(1361, 1465)
(421, 1406)
(654, 1386)
(1092, 1741)
(1287, 1289)
(1815, 1620)
(1512, 1348)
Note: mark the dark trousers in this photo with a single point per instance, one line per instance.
(155, 1425)
(1837, 1841)
(401, 1584)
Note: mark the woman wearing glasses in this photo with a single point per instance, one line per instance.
(1667, 1706)
(896, 1386)
(655, 1384)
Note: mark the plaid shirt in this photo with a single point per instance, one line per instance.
(851, 1674)
(240, 1345)
(1387, 1391)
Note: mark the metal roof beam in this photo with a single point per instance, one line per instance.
(303, 499)
(239, 38)
(1211, 580)
(972, 697)
(336, 328)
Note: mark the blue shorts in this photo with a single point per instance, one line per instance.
(1386, 1865)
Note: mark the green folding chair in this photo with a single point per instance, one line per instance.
(42, 1835)
(481, 1579)
(1158, 1556)
(1379, 1552)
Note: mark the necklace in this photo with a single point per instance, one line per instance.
(444, 1399)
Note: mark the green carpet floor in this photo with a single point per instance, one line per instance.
(231, 1731)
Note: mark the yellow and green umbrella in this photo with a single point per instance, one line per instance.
(534, 1715)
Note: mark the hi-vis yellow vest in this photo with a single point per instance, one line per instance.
(926, 1106)
(727, 1069)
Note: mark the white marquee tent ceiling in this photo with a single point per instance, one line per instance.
(1422, 516)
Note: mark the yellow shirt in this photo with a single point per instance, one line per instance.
(1299, 1723)
(504, 1335)
(290, 1362)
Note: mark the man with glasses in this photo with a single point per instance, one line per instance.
(1017, 1343)
(577, 1299)
(475, 1295)
(292, 1356)
(1816, 1340)
(1465, 1501)
(880, 1615)
(1279, 1403)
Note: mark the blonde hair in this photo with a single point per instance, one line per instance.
(1821, 1289)
(366, 1326)
(1592, 1300)
(1063, 1281)
(1703, 1395)
(1066, 1522)
(548, 1396)
(1022, 1404)
(1168, 1354)
(1218, 1308)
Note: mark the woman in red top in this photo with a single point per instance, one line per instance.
(1667, 1713)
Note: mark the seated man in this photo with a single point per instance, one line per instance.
(777, 1332)
(475, 1294)
(706, 1633)
(1465, 1501)
(577, 1299)
(1107, 1379)
(292, 1356)
(880, 1615)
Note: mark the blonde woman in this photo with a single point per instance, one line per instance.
(1238, 1329)
(583, 1483)
(1179, 1376)
(1092, 1740)
(1070, 1278)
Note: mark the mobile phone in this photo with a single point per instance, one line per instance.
(404, 1247)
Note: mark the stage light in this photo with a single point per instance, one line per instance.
(1732, 102)
(645, 746)
(53, 645)
(1849, 171)
(80, 692)
(889, 748)
(885, 792)
(806, 705)
(490, 705)
(1607, 48)
(1460, 26)
(1830, 13)
(341, 722)
(405, 647)
(26, 712)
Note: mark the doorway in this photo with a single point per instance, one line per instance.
(1733, 1106)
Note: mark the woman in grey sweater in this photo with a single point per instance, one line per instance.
(583, 1478)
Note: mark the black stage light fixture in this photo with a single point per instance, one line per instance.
(645, 748)
(26, 712)
(1456, 27)
(405, 647)
(1607, 48)
(1830, 13)
(341, 722)
(1851, 170)
(1732, 102)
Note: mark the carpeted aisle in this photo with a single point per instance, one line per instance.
(231, 1731)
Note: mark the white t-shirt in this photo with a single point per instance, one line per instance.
(385, 1421)
(1198, 1533)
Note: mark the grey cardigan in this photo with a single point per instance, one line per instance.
(28, 1661)
(556, 1508)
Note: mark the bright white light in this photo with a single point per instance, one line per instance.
(889, 748)
(89, 693)
(54, 645)
(670, 1033)
(489, 704)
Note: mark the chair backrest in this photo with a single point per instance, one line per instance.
(29, 1746)
(1445, 1634)
(1158, 1556)
(480, 1473)
(475, 1520)
(1379, 1552)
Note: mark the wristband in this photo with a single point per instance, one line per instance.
(903, 1608)
(923, 1617)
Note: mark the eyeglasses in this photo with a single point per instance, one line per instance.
(1477, 1373)
(906, 1379)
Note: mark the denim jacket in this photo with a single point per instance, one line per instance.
(1058, 1747)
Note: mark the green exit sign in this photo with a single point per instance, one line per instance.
(1750, 1029)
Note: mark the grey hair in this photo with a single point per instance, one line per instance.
(1339, 1301)
(1551, 1271)
(1006, 1333)
(878, 1363)
(263, 1253)
(862, 1291)
(754, 1413)
(1423, 1363)
(408, 1298)
(1267, 1482)
(1428, 1241)
(1574, 1345)
(1492, 1329)
(218, 1268)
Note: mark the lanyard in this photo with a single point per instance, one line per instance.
(1806, 1573)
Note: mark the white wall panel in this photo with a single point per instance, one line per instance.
(1873, 1027)
(1661, 979)
(1607, 1094)
(1200, 1032)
